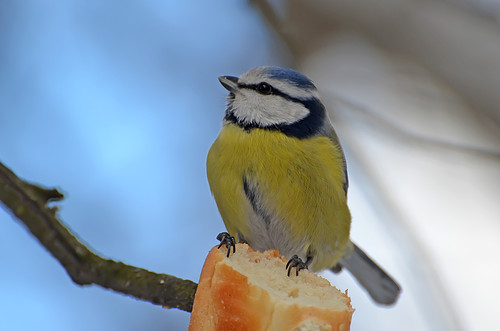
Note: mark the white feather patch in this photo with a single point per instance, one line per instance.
(251, 107)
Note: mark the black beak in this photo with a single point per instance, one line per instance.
(229, 82)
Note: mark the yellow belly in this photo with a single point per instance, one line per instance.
(301, 185)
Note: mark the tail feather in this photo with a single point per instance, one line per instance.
(381, 287)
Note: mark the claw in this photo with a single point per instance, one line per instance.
(297, 263)
(228, 240)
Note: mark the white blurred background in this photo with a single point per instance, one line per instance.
(117, 103)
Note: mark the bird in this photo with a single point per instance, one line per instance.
(279, 177)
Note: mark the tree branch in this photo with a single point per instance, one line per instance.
(28, 203)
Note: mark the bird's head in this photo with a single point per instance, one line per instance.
(274, 98)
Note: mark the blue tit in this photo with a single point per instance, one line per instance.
(279, 177)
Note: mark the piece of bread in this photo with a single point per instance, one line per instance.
(251, 291)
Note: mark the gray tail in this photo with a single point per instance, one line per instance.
(381, 287)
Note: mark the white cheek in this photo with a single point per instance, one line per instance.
(251, 107)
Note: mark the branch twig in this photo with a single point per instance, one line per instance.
(28, 203)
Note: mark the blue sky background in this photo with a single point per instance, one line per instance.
(116, 103)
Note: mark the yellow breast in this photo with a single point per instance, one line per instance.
(300, 182)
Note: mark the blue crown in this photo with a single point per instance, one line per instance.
(291, 76)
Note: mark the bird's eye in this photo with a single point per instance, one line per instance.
(264, 88)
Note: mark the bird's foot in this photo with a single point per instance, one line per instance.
(297, 263)
(228, 240)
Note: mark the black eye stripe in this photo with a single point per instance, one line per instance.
(251, 86)
(275, 91)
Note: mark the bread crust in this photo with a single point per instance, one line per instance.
(227, 300)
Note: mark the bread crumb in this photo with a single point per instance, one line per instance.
(294, 293)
